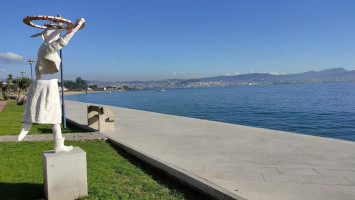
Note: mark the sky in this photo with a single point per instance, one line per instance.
(165, 39)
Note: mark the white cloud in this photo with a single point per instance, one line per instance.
(10, 57)
(236, 73)
(2, 69)
(228, 74)
(174, 73)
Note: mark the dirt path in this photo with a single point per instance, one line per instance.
(2, 105)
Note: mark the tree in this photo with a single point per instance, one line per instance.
(1, 86)
(94, 87)
(70, 85)
(7, 88)
(25, 83)
(22, 84)
(78, 85)
(9, 78)
(82, 83)
(4, 90)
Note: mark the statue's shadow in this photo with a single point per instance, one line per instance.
(45, 130)
(21, 191)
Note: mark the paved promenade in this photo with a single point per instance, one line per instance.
(254, 163)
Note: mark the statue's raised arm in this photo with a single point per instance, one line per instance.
(70, 33)
(48, 59)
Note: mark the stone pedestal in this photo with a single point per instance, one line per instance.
(64, 174)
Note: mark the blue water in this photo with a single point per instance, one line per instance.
(326, 110)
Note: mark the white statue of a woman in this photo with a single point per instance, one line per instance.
(43, 103)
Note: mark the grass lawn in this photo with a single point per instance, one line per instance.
(112, 173)
(10, 122)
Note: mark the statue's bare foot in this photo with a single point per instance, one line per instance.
(63, 149)
(26, 127)
(60, 147)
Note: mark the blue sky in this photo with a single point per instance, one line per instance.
(160, 39)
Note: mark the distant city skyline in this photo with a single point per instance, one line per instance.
(157, 40)
(334, 75)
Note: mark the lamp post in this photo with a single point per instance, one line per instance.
(31, 61)
(22, 73)
(64, 119)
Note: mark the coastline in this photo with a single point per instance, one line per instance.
(67, 93)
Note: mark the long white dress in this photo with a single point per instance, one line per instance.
(43, 103)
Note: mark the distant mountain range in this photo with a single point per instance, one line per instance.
(328, 75)
(324, 76)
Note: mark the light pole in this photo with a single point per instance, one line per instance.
(64, 119)
(31, 61)
(22, 73)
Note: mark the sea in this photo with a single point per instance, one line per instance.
(326, 109)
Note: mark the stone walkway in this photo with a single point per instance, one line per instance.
(253, 163)
(47, 137)
(2, 105)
